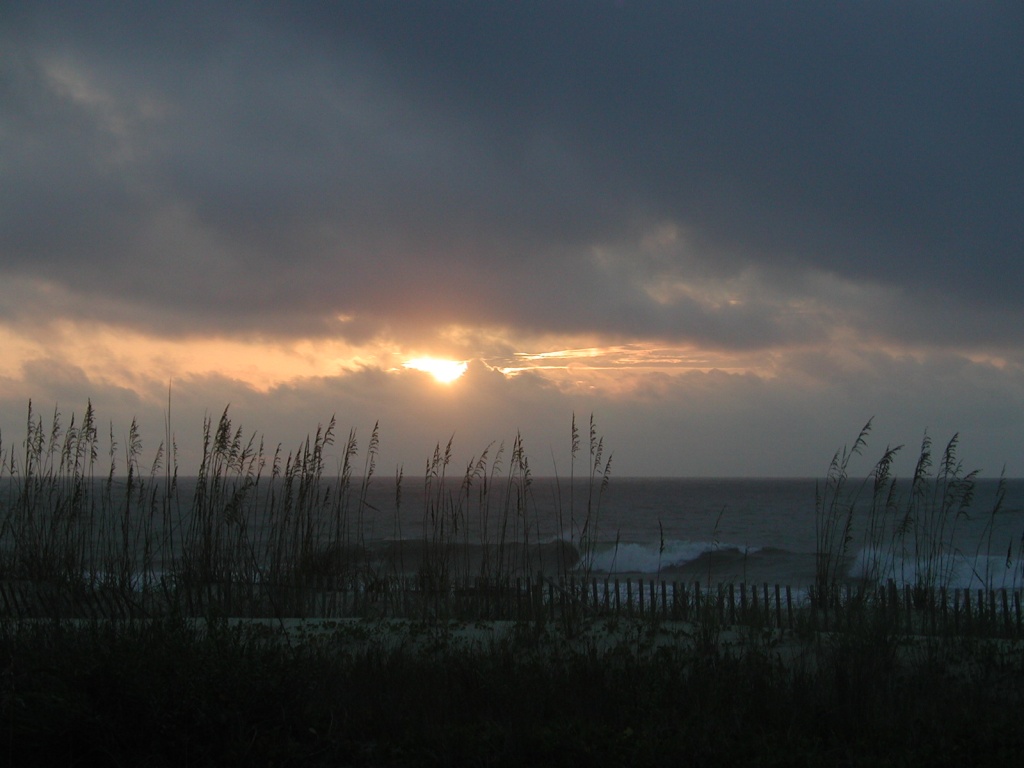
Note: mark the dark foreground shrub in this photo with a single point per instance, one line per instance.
(168, 693)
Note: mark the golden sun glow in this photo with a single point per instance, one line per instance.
(444, 371)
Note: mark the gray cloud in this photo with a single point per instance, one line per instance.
(834, 191)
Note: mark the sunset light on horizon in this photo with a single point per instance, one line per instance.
(443, 371)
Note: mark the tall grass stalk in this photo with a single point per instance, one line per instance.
(834, 512)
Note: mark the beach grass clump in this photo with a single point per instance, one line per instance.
(63, 519)
(905, 532)
(264, 532)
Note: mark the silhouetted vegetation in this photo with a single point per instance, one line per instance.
(172, 680)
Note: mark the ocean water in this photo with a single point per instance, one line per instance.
(708, 530)
(765, 530)
(744, 530)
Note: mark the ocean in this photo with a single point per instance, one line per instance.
(712, 530)
(736, 530)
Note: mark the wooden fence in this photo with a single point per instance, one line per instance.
(994, 612)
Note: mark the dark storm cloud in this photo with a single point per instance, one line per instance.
(263, 170)
(792, 127)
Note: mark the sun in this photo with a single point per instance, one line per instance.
(444, 371)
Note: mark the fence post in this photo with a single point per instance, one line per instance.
(530, 597)
(943, 597)
(539, 597)
(894, 602)
(930, 607)
(908, 598)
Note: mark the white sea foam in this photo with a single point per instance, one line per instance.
(952, 570)
(652, 557)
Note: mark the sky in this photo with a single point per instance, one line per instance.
(730, 233)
